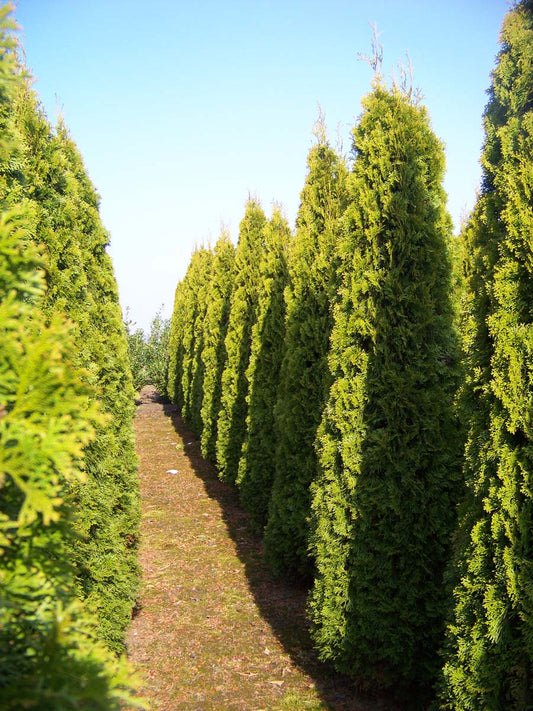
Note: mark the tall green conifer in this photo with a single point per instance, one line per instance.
(203, 289)
(305, 377)
(255, 472)
(81, 285)
(214, 351)
(49, 656)
(489, 661)
(195, 286)
(243, 314)
(175, 344)
(383, 503)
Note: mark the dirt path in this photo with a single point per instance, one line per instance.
(214, 630)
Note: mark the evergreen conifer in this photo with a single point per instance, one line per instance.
(255, 471)
(305, 377)
(243, 314)
(384, 501)
(51, 180)
(195, 291)
(175, 344)
(49, 656)
(489, 655)
(214, 351)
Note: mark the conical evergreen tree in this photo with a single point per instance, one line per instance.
(489, 661)
(384, 501)
(203, 289)
(196, 281)
(243, 315)
(49, 656)
(81, 284)
(175, 344)
(214, 351)
(255, 472)
(305, 376)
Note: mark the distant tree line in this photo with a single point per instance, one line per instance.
(148, 354)
(366, 383)
(69, 504)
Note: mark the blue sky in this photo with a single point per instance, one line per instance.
(182, 109)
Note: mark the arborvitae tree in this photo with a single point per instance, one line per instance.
(196, 282)
(198, 368)
(255, 472)
(175, 344)
(214, 351)
(384, 500)
(243, 315)
(49, 658)
(305, 376)
(81, 284)
(490, 644)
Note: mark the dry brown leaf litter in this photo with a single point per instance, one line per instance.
(214, 631)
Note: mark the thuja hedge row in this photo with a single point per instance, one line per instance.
(378, 436)
(69, 502)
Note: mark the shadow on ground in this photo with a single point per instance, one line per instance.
(281, 603)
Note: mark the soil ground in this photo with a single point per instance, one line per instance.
(213, 629)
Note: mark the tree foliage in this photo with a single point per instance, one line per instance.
(383, 503)
(489, 659)
(191, 328)
(81, 284)
(214, 350)
(305, 378)
(243, 315)
(49, 415)
(136, 353)
(255, 470)
(156, 353)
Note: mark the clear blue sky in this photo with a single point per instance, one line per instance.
(181, 109)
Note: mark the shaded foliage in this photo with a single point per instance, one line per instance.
(81, 284)
(489, 660)
(383, 503)
(255, 470)
(305, 376)
(214, 350)
(243, 315)
(49, 415)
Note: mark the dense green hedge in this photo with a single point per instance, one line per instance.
(52, 415)
(243, 315)
(394, 475)
(215, 329)
(304, 377)
(489, 657)
(81, 285)
(255, 471)
(384, 501)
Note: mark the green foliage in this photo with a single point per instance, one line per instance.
(243, 314)
(384, 500)
(489, 655)
(214, 351)
(136, 354)
(192, 371)
(156, 353)
(53, 183)
(255, 470)
(175, 343)
(186, 368)
(49, 656)
(193, 411)
(305, 377)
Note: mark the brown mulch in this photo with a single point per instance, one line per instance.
(213, 629)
